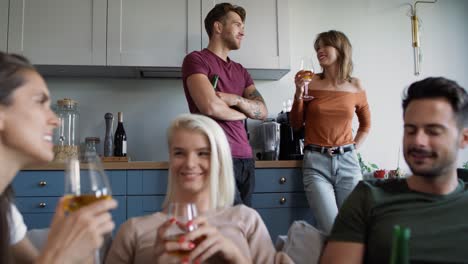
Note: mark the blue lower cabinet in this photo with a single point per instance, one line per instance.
(278, 196)
(39, 183)
(278, 220)
(39, 211)
(51, 183)
(36, 205)
(118, 181)
(278, 180)
(34, 220)
(143, 205)
(279, 200)
(280, 210)
(146, 182)
(119, 215)
(37, 194)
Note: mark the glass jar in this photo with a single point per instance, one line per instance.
(66, 139)
(91, 144)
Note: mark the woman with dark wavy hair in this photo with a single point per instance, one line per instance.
(26, 125)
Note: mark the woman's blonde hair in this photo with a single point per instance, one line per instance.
(341, 43)
(221, 180)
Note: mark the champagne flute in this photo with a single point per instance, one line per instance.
(85, 183)
(183, 213)
(307, 66)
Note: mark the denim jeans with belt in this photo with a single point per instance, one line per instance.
(328, 180)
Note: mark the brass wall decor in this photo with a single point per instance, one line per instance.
(415, 35)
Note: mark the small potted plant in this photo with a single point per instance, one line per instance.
(395, 174)
(463, 172)
(367, 168)
(380, 174)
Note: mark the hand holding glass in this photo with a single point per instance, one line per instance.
(183, 213)
(85, 185)
(307, 67)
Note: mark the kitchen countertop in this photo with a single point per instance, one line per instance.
(154, 165)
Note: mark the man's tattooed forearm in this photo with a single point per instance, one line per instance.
(257, 113)
(240, 100)
(255, 95)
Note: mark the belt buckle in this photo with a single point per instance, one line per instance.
(330, 151)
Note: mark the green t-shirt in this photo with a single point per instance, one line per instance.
(438, 223)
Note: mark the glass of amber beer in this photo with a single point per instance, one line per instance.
(85, 183)
(308, 71)
(183, 213)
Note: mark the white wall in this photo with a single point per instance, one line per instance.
(380, 32)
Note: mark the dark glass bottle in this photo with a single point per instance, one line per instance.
(120, 138)
(400, 245)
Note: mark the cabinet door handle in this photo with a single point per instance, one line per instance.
(282, 200)
(282, 180)
(42, 205)
(42, 183)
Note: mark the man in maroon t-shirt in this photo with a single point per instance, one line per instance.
(235, 97)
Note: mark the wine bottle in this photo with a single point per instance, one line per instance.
(120, 138)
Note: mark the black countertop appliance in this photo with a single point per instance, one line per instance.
(291, 140)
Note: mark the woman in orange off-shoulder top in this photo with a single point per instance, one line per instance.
(331, 169)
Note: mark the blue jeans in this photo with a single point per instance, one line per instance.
(244, 172)
(328, 180)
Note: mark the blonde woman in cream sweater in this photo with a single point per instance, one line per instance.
(200, 172)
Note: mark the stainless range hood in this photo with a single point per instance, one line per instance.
(139, 72)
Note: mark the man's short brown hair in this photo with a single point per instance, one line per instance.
(219, 13)
(440, 87)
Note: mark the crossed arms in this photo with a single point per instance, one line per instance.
(225, 106)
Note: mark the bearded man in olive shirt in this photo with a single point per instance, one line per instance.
(235, 97)
(432, 202)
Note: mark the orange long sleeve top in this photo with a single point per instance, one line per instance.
(328, 117)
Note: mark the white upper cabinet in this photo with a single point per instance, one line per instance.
(138, 33)
(3, 24)
(266, 41)
(152, 32)
(62, 32)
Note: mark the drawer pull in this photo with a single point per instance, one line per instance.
(42, 205)
(42, 183)
(282, 200)
(282, 180)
